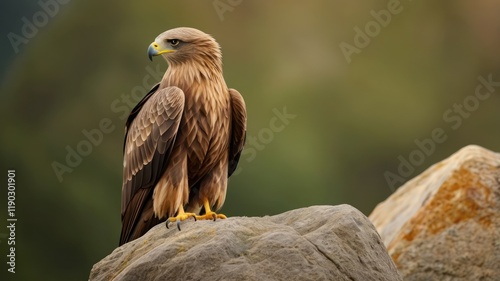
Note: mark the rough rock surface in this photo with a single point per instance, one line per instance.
(315, 243)
(445, 223)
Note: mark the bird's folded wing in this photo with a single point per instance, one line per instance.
(238, 129)
(149, 138)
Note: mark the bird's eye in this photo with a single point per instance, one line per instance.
(173, 42)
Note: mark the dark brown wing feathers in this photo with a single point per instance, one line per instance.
(238, 129)
(150, 135)
(136, 110)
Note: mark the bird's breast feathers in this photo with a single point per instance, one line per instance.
(204, 129)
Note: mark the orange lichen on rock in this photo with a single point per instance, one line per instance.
(458, 199)
(445, 223)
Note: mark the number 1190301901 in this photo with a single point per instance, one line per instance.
(11, 220)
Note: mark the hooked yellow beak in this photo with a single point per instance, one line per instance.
(155, 50)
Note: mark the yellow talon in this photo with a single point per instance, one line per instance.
(181, 215)
(209, 214)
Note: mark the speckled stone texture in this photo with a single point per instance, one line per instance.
(314, 243)
(444, 224)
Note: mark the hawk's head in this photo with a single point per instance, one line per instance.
(184, 44)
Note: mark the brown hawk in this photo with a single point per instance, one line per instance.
(183, 139)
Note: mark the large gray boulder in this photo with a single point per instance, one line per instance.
(445, 223)
(315, 243)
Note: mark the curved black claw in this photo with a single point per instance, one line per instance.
(178, 222)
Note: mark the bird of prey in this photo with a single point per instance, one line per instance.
(183, 139)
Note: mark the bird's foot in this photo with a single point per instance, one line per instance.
(209, 214)
(180, 217)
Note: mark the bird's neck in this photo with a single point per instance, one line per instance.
(192, 73)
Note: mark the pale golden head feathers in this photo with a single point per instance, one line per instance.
(186, 45)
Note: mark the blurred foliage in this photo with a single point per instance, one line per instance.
(353, 120)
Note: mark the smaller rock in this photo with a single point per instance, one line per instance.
(444, 224)
(315, 243)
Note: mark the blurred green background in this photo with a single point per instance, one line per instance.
(355, 116)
